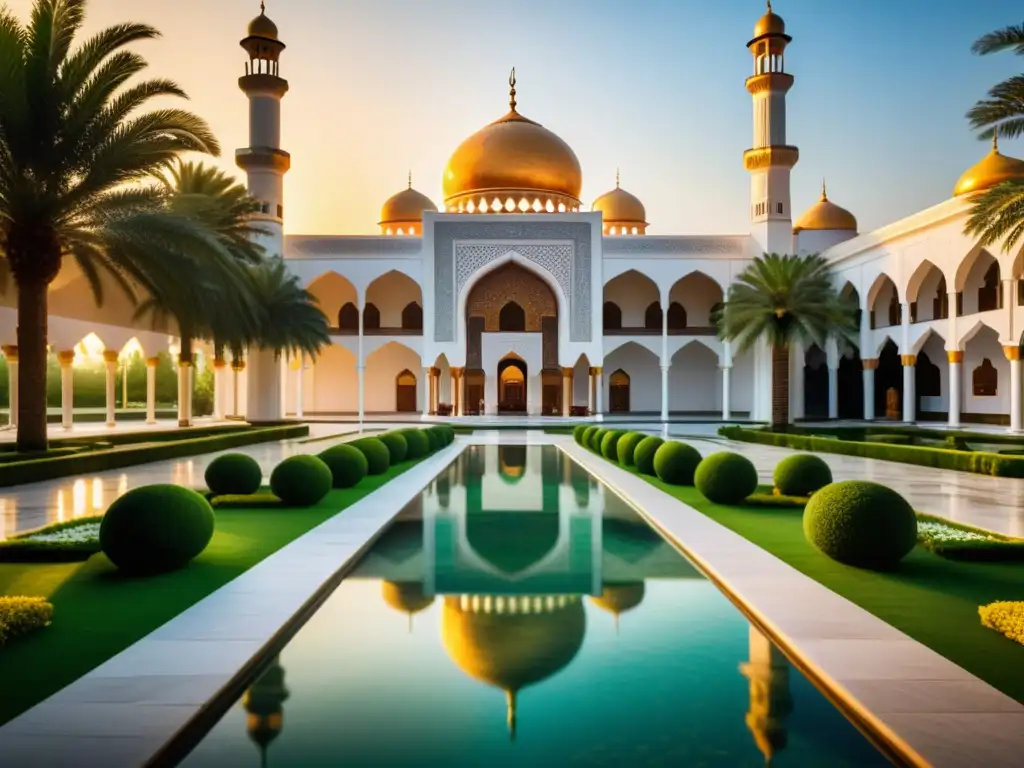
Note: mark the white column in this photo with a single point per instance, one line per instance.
(598, 394)
(263, 386)
(1012, 353)
(726, 366)
(955, 359)
(909, 399)
(427, 391)
(11, 353)
(151, 364)
(300, 376)
(664, 391)
(218, 388)
(184, 393)
(869, 365)
(67, 388)
(459, 392)
(110, 361)
(361, 376)
(566, 391)
(591, 400)
(797, 398)
(361, 365)
(490, 393)
(832, 363)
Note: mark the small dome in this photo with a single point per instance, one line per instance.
(405, 597)
(619, 598)
(621, 208)
(826, 215)
(407, 206)
(993, 169)
(262, 26)
(769, 24)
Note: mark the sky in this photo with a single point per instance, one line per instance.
(379, 88)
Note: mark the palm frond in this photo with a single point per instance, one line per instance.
(1003, 110)
(1011, 37)
(997, 214)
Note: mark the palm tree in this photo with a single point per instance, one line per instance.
(784, 300)
(73, 149)
(998, 212)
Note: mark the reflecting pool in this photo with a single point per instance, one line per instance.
(518, 613)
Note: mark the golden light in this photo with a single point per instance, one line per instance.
(132, 348)
(78, 498)
(89, 351)
(97, 494)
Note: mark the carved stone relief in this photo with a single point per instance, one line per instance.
(506, 284)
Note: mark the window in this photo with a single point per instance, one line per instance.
(371, 318)
(779, 208)
(612, 316)
(412, 317)
(895, 310)
(988, 294)
(652, 317)
(676, 316)
(512, 318)
(940, 304)
(348, 317)
(985, 379)
(280, 211)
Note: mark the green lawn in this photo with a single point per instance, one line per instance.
(98, 614)
(931, 599)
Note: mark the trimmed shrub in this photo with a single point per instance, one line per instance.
(347, 463)
(610, 444)
(643, 454)
(418, 442)
(441, 434)
(396, 445)
(378, 457)
(801, 475)
(627, 446)
(156, 528)
(234, 473)
(860, 523)
(577, 433)
(725, 478)
(21, 615)
(301, 481)
(595, 439)
(433, 439)
(675, 463)
(588, 435)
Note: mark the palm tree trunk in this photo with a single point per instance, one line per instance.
(184, 371)
(32, 329)
(780, 386)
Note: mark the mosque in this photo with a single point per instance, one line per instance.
(511, 297)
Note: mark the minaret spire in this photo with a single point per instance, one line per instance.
(824, 193)
(263, 8)
(512, 90)
(410, 178)
(616, 178)
(510, 699)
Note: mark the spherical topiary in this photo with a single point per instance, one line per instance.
(300, 481)
(860, 523)
(610, 443)
(627, 446)
(596, 438)
(418, 442)
(433, 439)
(588, 435)
(643, 454)
(577, 433)
(675, 463)
(378, 458)
(156, 528)
(725, 477)
(443, 437)
(801, 475)
(235, 473)
(347, 463)
(396, 445)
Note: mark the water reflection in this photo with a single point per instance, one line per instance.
(515, 571)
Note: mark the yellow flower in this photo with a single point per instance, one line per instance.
(1004, 617)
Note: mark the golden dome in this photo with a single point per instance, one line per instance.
(825, 214)
(406, 597)
(769, 24)
(514, 159)
(406, 207)
(993, 169)
(262, 26)
(621, 208)
(513, 650)
(619, 598)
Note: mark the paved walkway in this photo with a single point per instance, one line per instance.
(24, 507)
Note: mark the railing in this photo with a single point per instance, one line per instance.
(695, 330)
(335, 331)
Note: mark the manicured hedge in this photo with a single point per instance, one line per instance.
(627, 446)
(979, 462)
(725, 477)
(610, 442)
(301, 481)
(89, 463)
(675, 463)
(861, 523)
(418, 442)
(156, 528)
(577, 433)
(396, 445)
(643, 455)
(378, 458)
(235, 473)
(588, 435)
(21, 615)
(433, 439)
(595, 439)
(801, 475)
(347, 463)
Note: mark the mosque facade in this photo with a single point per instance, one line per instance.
(512, 296)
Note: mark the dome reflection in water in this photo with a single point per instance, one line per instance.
(520, 613)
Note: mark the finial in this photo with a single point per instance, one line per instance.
(616, 178)
(263, 8)
(769, 6)
(616, 623)
(512, 90)
(410, 178)
(510, 699)
(995, 139)
(824, 194)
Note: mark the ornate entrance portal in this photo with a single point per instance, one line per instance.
(511, 386)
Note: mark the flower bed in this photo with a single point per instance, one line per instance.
(66, 542)
(963, 542)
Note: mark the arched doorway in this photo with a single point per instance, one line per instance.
(405, 392)
(512, 318)
(618, 392)
(511, 386)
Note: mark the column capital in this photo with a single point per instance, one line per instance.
(1012, 353)
(152, 362)
(111, 355)
(10, 352)
(219, 363)
(595, 370)
(869, 363)
(956, 356)
(908, 360)
(184, 363)
(238, 365)
(567, 373)
(457, 371)
(66, 357)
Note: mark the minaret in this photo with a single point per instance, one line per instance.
(263, 161)
(771, 159)
(264, 703)
(770, 700)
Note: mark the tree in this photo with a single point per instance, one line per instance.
(998, 212)
(74, 150)
(784, 300)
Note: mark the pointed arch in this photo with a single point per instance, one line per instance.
(412, 317)
(392, 293)
(633, 292)
(512, 318)
(612, 316)
(332, 291)
(697, 293)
